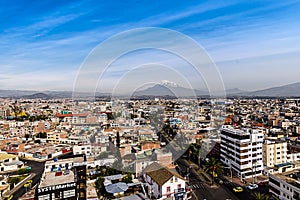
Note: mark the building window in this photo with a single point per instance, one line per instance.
(168, 189)
(81, 194)
(176, 179)
(171, 180)
(275, 182)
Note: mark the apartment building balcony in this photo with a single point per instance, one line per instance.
(245, 159)
(244, 147)
(244, 153)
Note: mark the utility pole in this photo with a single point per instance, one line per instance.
(230, 171)
(188, 173)
(230, 167)
(252, 172)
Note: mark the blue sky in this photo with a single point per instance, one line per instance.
(255, 44)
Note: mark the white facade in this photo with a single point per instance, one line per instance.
(167, 190)
(284, 186)
(163, 183)
(83, 149)
(242, 151)
(293, 157)
(9, 162)
(102, 139)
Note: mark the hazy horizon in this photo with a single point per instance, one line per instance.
(254, 45)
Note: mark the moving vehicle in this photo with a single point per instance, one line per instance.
(9, 197)
(66, 172)
(27, 183)
(238, 189)
(252, 186)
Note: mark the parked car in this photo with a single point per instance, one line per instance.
(58, 173)
(9, 197)
(27, 183)
(263, 183)
(66, 172)
(252, 186)
(238, 189)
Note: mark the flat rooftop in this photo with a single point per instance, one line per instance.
(68, 160)
(5, 156)
(235, 131)
(292, 177)
(45, 149)
(51, 179)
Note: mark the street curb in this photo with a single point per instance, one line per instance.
(19, 185)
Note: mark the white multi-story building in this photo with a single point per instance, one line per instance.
(293, 157)
(102, 139)
(274, 153)
(285, 186)
(241, 150)
(9, 162)
(83, 149)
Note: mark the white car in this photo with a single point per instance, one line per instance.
(252, 186)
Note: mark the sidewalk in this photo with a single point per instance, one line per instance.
(248, 181)
(235, 180)
(19, 185)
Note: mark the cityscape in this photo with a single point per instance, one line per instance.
(149, 100)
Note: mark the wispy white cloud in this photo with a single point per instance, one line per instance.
(168, 17)
(231, 38)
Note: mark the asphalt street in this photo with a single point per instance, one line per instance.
(246, 193)
(38, 169)
(200, 189)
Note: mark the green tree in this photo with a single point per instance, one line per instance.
(103, 155)
(110, 116)
(214, 167)
(259, 196)
(14, 180)
(22, 171)
(99, 185)
(118, 140)
(42, 135)
(118, 164)
(127, 178)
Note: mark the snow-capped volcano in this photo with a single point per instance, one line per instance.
(168, 83)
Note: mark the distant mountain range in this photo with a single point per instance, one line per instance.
(290, 90)
(31, 94)
(163, 90)
(160, 90)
